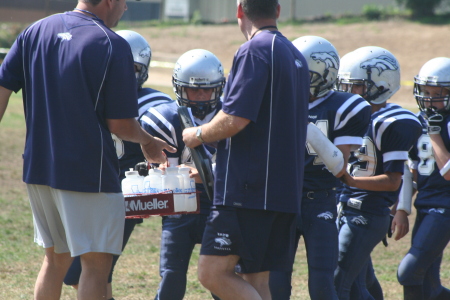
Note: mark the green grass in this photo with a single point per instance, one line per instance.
(137, 272)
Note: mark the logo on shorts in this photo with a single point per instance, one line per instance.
(359, 220)
(223, 240)
(325, 215)
(64, 36)
(437, 210)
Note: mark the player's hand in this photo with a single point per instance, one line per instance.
(153, 151)
(347, 179)
(193, 173)
(190, 138)
(400, 224)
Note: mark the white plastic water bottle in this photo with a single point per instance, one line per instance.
(171, 181)
(153, 181)
(133, 183)
(189, 187)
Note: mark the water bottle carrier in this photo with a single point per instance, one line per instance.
(158, 204)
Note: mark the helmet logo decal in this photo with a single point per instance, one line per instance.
(381, 63)
(330, 59)
(145, 52)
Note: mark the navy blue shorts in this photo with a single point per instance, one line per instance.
(264, 240)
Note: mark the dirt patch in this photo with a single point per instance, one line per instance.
(413, 44)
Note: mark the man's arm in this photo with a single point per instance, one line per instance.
(130, 130)
(222, 126)
(4, 99)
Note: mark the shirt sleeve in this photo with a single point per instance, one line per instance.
(247, 87)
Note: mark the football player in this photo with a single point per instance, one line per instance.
(198, 81)
(129, 153)
(418, 272)
(376, 174)
(343, 118)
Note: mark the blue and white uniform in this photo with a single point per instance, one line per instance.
(344, 119)
(391, 134)
(180, 233)
(431, 232)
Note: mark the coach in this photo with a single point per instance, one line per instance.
(78, 87)
(259, 173)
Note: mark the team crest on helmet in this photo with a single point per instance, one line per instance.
(381, 63)
(330, 59)
(145, 52)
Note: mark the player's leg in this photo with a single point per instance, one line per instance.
(280, 282)
(372, 283)
(431, 236)
(321, 242)
(359, 234)
(177, 243)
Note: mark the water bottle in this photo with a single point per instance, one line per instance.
(171, 181)
(189, 187)
(153, 181)
(133, 183)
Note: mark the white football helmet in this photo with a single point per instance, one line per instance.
(375, 68)
(142, 53)
(435, 72)
(323, 63)
(198, 69)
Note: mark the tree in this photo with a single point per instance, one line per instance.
(421, 8)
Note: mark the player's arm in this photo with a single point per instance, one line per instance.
(222, 126)
(388, 182)
(441, 155)
(130, 130)
(4, 99)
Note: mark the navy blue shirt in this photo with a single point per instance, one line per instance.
(74, 73)
(344, 119)
(261, 167)
(391, 134)
(433, 189)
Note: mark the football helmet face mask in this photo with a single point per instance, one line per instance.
(198, 69)
(375, 68)
(432, 87)
(323, 63)
(142, 54)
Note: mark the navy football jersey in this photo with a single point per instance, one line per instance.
(129, 153)
(392, 132)
(343, 118)
(434, 190)
(162, 121)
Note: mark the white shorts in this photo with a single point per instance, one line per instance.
(77, 222)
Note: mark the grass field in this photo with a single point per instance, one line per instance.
(136, 275)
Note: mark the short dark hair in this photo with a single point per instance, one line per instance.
(93, 2)
(259, 9)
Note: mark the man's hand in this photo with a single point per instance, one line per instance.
(190, 137)
(153, 151)
(400, 225)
